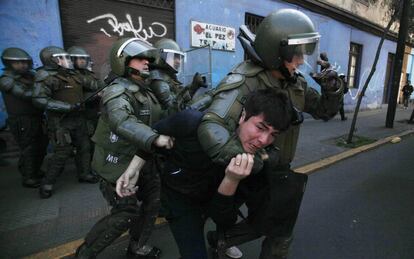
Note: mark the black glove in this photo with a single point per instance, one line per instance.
(76, 107)
(328, 80)
(198, 81)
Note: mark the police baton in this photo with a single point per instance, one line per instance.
(93, 95)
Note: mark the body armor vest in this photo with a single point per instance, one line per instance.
(69, 91)
(17, 106)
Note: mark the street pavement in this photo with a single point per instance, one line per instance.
(29, 225)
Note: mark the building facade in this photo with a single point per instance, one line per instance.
(349, 40)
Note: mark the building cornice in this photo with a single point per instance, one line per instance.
(344, 16)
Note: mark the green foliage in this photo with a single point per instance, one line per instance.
(394, 5)
(357, 141)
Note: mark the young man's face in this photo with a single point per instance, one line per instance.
(297, 60)
(255, 133)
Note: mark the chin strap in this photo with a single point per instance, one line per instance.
(133, 71)
(286, 74)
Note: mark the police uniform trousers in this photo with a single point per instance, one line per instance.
(30, 136)
(136, 213)
(68, 134)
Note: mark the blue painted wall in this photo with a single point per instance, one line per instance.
(30, 25)
(36, 24)
(336, 38)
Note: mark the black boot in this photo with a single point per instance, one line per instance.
(144, 252)
(45, 191)
(31, 182)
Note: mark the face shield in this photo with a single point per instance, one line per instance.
(296, 51)
(81, 61)
(301, 45)
(63, 60)
(136, 48)
(174, 58)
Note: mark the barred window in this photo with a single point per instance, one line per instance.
(252, 21)
(354, 64)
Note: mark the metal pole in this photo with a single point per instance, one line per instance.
(210, 65)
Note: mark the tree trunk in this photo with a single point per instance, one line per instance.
(374, 67)
(399, 57)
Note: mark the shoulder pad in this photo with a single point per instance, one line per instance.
(6, 83)
(112, 91)
(247, 68)
(42, 75)
(158, 74)
(155, 84)
(126, 84)
(230, 82)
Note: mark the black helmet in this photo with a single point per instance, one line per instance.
(171, 57)
(76, 53)
(55, 57)
(15, 54)
(125, 49)
(282, 34)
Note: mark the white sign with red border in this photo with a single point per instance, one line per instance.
(217, 36)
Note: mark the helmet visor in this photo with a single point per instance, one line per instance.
(63, 60)
(303, 44)
(136, 48)
(173, 58)
(81, 61)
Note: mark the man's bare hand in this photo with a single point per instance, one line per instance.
(239, 167)
(126, 183)
(164, 141)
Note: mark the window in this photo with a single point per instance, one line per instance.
(354, 64)
(252, 21)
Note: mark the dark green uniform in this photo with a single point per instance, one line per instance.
(282, 36)
(168, 89)
(92, 105)
(26, 124)
(60, 91)
(124, 128)
(277, 216)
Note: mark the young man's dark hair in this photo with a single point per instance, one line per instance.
(274, 106)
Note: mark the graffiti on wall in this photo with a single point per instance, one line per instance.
(156, 29)
(374, 92)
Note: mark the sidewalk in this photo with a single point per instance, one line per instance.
(29, 224)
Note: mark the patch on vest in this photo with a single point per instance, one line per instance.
(113, 137)
(112, 159)
(144, 112)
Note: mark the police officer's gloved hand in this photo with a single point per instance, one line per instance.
(198, 81)
(271, 158)
(76, 107)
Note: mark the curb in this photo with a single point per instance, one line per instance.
(69, 248)
(312, 167)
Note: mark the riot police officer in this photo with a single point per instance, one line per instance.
(59, 91)
(25, 120)
(277, 50)
(83, 64)
(163, 74)
(163, 78)
(124, 129)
